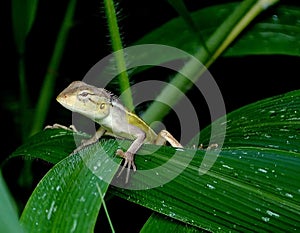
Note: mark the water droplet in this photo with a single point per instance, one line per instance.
(74, 225)
(262, 170)
(210, 186)
(266, 219)
(288, 195)
(269, 212)
(172, 214)
(50, 211)
(179, 149)
(226, 166)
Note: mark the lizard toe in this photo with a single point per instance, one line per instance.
(128, 163)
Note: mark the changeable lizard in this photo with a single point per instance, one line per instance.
(104, 108)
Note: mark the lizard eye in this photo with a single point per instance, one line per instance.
(83, 95)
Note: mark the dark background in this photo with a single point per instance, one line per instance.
(242, 80)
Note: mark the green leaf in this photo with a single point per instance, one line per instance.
(252, 186)
(47, 88)
(245, 190)
(275, 33)
(228, 30)
(160, 223)
(51, 145)
(271, 123)
(8, 214)
(23, 15)
(68, 196)
(180, 7)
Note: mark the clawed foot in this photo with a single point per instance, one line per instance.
(59, 126)
(210, 147)
(129, 157)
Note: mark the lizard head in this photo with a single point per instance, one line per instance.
(87, 100)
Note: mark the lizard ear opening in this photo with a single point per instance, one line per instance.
(103, 109)
(102, 106)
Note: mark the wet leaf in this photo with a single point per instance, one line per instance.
(275, 33)
(68, 198)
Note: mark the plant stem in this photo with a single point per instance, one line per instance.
(216, 44)
(119, 57)
(105, 209)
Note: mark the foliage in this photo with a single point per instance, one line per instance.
(246, 189)
(253, 184)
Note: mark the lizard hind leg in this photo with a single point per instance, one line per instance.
(129, 162)
(165, 136)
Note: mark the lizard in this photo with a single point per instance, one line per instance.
(104, 108)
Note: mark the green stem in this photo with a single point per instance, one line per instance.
(24, 99)
(46, 93)
(105, 209)
(216, 44)
(243, 17)
(119, 57)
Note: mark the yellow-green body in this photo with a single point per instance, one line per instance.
(106, 109)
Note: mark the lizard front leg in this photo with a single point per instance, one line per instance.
(99, 133)
(59, 126)
(129, 154)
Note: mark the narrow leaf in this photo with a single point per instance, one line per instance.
(47, 88)
(221, 38)
(23, 15)
(8, 211)
(68, 196)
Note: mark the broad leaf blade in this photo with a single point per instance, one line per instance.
(245, 190)
(277, 33)
(161, 223)
(252, 186)
(249, 188)
(271, 123)
(51, 145)
(67, 198)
